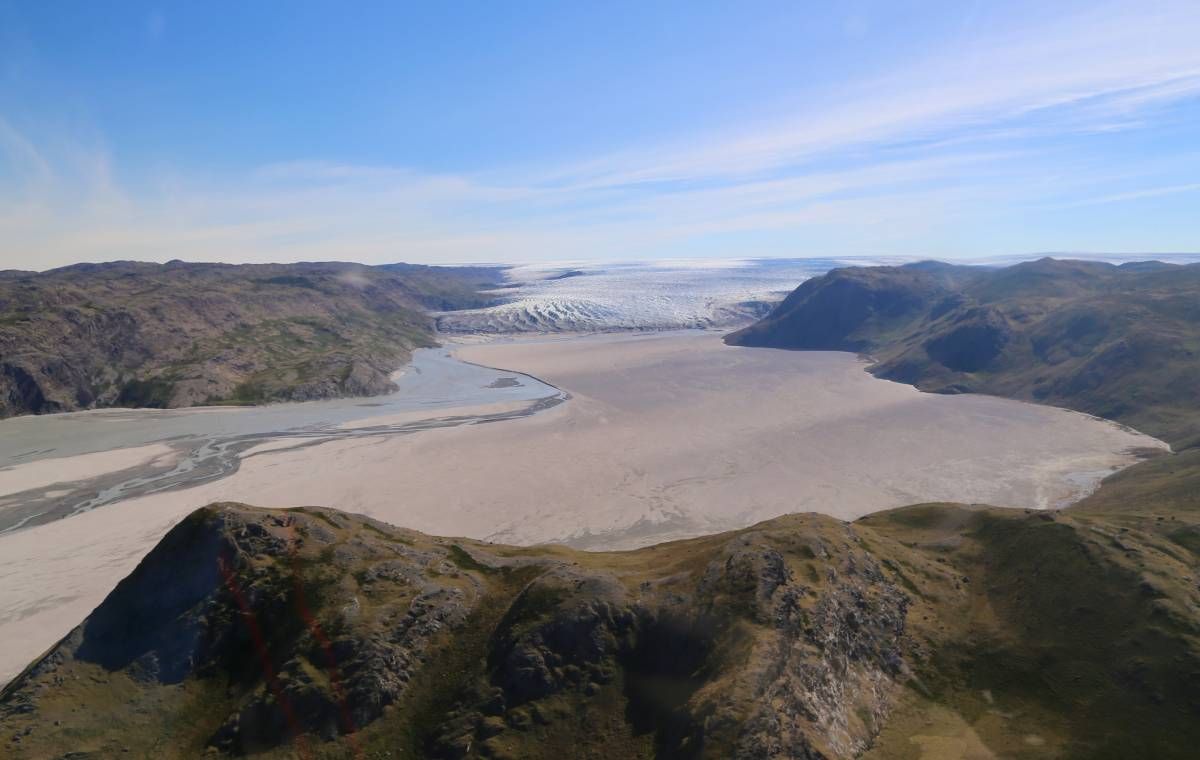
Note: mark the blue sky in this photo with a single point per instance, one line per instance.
(458, 132)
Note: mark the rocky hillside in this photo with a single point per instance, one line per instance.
(935, 631)
(1120, 342)
(137, 334)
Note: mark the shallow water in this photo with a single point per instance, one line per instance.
(433, 380)
(210, 441)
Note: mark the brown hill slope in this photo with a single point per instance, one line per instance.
(136, 334)
(1121, 342)
(930, 631)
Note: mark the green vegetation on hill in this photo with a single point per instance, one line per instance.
(1075, 636)
(135, 334)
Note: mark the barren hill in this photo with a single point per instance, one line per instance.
(179, 334)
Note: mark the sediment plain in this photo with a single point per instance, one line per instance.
(666, 435)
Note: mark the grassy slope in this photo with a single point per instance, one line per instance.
(1080, 638)
(130, 334)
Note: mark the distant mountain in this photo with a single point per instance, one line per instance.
(311, 633)
(179, 334)
(1121, 342)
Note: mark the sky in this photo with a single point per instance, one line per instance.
(454, 132)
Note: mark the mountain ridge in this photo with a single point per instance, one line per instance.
(313, 633)
(1116, 341)
(181, 334)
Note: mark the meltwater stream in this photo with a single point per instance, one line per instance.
(211, 442)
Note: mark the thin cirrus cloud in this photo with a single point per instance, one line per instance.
(1149, 192)
(1082, 72)
(977, 131)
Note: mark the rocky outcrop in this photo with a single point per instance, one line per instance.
(308, 625)
(269, 603)
(832, 666)
(818, 654)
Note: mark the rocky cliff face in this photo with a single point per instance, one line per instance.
(311, 633)
(132, 334)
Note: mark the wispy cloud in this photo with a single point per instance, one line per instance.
(1150, 192)
(1080, 71)
(875, 164)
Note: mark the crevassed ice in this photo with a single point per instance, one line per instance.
(654, 295)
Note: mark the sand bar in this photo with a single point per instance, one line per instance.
(45, 472)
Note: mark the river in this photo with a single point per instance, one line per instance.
(211, 442)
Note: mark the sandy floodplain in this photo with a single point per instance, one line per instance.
(666, 435)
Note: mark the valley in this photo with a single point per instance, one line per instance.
(897, 573)
(664, 436)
